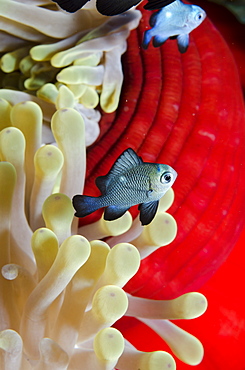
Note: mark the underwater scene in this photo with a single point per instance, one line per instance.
(122, 196)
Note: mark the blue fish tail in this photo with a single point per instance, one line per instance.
(84, 205)
(146, 39)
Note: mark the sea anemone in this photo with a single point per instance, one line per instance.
(75, 62)
(62, 293)
(67, 291)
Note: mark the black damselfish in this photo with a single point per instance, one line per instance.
(111, 7)
(129, 182)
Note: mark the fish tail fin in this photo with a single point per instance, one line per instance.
(84, 205)
(146, 39)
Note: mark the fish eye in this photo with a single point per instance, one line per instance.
(166, 177)
(199, 16)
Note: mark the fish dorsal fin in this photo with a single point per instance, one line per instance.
(157, 4)
(175, 5)
(127, 160)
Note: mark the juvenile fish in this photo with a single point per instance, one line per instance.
(110, 7)
(129, 182)
(175, 20)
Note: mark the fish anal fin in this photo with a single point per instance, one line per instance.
(126, 161)
(148, 211)
(158, 40)
(183, 42)
(114, 212)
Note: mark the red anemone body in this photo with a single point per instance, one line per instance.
(186, 111)
(167, 100)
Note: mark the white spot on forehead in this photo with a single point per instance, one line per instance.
(207, 134)
(168, 14)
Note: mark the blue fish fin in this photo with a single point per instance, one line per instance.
(84, 205)
(148, 211)
(153, 19)
(126, 161)
(146, 39)
(114, 212)
(158, 40)
(183, 42)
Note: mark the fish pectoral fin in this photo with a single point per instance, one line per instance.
(183, 42)
(148, 211)
(158, 40)
(114, 212)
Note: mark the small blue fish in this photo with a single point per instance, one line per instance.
(175, 20)
(110, 7)
(129, 182)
